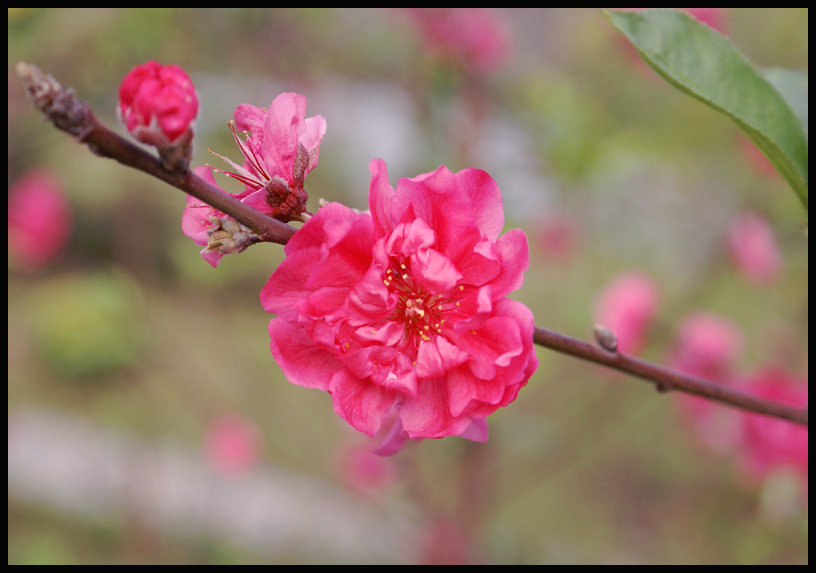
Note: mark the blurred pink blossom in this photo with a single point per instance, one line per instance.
(769, 444)
(39, 220)
(708, 346)
(476, 39)
(627, 306)
(233, 445)
(404, 310)
(753, 248)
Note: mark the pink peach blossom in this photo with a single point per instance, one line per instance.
(753, 248)
(403, 312)
(39, 220)
(281, 147)
(627, 306)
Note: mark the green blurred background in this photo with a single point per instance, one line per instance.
(130, 336)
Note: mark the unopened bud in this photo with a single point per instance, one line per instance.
(606, 338)
(158, 105)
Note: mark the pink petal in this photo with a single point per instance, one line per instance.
(284, 123)
(428, 415)
(361, 404)
(303, 363)
(436, 357)
(381, 197)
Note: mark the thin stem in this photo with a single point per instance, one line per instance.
(70, 114)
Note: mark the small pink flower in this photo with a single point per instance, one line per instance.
(282, 146)
(753, 248)
(474, 38)
(627, 306)
(404, 310)
(233, 445)
(157, 103)
(39, 220)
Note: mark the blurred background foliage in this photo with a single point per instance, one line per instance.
(130, 329)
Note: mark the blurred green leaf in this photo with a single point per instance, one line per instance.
(706, 65)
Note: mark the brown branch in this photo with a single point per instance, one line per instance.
(70, 114)
(666, 379)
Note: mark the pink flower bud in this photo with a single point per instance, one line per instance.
(158, 104)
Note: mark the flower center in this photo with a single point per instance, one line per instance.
(421, 313)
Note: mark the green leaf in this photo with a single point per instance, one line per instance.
(706, 65)
(793, 86)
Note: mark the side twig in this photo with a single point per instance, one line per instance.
(70, 114)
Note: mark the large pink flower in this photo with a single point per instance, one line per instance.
(402, 314)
